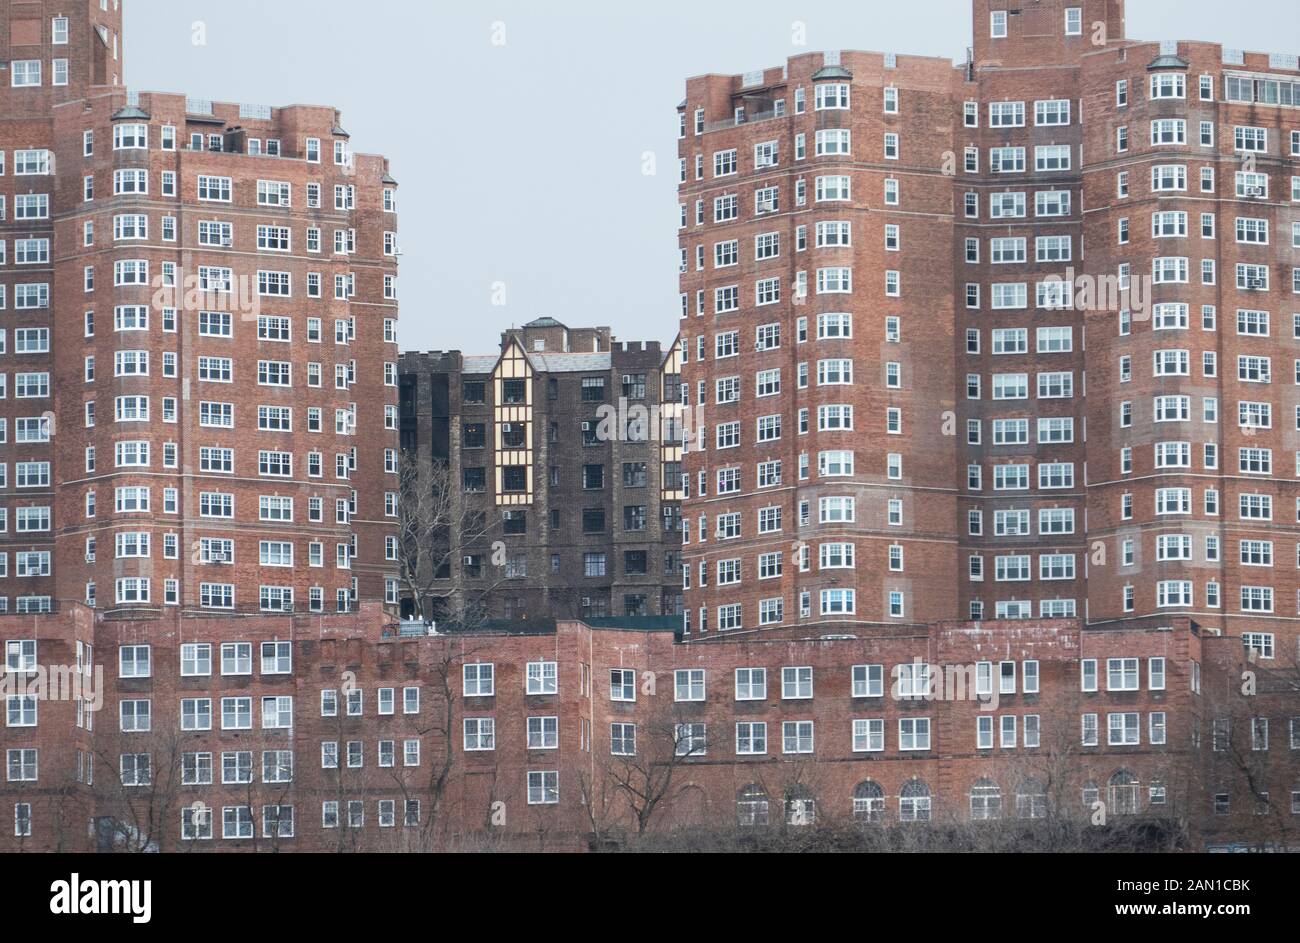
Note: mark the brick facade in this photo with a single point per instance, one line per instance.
(170, 444)
(1020, 722)
(876, 236)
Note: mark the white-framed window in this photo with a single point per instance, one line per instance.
(913, 734)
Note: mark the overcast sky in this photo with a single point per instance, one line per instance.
(518, 130)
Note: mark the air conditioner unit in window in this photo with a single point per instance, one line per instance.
(767, 206)
(1255, 283)
(586, 600)
(507, 428)
(468, 561)
(1255, 191)
(587, 426)
(227, 241)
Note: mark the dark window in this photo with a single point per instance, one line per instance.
(473, 566)
(512, 435)
(593, 389)
(634, 385)
(475, 479)
(406, 396)
(514, 522)
(593, 520)
(593, 476)
(555, 432)
(589, 432)
(474, 435)
(514, 392)
(514, 479)
(672, 387)
(634, 517)
(474, 392)
(634, 562)
(555, 520)
(634, 605)
(595, 607)
(553, 476)
(634, 474)
(553, 388)
(672, 476)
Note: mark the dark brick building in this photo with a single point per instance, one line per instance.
(1004, 339)
(566, 444)
(201, 351)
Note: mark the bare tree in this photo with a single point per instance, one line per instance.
(271, 787)
(435, 527)
(139, 800)
(647, 779)
(1249, 711)
(443, 733)
(344, 781)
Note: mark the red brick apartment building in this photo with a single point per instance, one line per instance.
(200, 399)
(351, 732)
(229, 720)
(902, 415)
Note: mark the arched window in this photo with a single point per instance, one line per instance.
(800, 806)
(1123, 793)
(985, 800)
(751, 805)
(1031, 800)
(868, 802)
(914, 802)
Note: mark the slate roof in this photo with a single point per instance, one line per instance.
(1167, 62)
